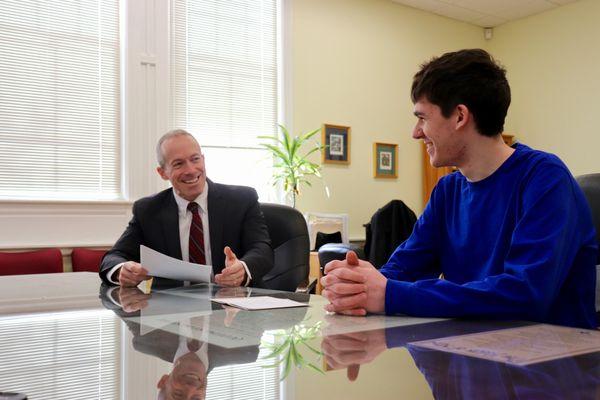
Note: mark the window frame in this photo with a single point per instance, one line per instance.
(145, 73)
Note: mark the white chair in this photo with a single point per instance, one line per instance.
(326, 223)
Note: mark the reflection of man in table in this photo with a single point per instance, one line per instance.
(197, 220)
(192, 354)
(453, 376)
(187, 380)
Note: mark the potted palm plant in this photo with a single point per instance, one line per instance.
(292, 168)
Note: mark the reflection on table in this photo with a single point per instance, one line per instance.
(455, 376)
(176, 343)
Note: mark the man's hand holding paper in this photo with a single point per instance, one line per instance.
(131, 274)
(163, 266)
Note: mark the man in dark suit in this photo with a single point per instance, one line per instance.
(196, 220)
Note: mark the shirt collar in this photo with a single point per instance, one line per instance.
(183, 349)
(202, 201)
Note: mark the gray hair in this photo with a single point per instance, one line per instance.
(160, 157)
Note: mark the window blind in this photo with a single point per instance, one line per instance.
(59, 102)
(245, 381)
(224, 70)
(70, 355)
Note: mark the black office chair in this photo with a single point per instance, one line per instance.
(590, 184)
(289, 238)
(337, 251)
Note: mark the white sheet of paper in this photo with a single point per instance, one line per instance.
(520, 346)
(259, 302)
(164, 266)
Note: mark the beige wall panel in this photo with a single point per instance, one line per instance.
(553, 63)
(352, 64)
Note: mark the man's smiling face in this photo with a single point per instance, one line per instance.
(183, 166)
(443, 142)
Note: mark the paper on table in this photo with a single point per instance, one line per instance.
(520, 346)
(164, 266)
(259, 302)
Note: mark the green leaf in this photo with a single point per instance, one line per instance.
(310, 134)
(286, 367)
(312, 151)
(314, 367)
(277, 152)
(285, 139)
(313, 349)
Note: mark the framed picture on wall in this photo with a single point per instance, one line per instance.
(336, 142)
(385, 160)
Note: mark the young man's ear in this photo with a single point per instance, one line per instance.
(463, 115)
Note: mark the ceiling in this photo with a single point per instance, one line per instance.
(485, 13)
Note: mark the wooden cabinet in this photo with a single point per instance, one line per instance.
(315, 270)
(432, 175)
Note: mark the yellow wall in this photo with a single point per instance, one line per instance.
(353, 62)
(553, 63)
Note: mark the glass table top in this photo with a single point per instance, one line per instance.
(66, 336)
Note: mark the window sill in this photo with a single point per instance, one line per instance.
(18, 202)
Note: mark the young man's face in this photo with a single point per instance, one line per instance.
(444, 143)
(184, 166)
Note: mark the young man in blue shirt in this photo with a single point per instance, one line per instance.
(509, 235)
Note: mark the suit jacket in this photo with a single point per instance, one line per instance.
(235, 220)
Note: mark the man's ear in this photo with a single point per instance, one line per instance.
(162, 382)
(162, 173)
(463, 115)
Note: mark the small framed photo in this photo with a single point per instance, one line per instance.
(385, 160)
(336, 142)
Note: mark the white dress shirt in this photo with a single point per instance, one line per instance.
(185, 222)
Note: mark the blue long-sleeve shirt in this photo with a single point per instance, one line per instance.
(519, 244)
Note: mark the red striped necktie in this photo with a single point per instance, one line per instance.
(196, 236)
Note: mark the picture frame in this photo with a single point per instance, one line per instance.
(336, 144)
(385, 160)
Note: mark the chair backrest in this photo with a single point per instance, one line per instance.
(86, 259)
(31, 262)
(391, 225)
(326, 223)
(337, 251)
(289, 238)
(590, 185)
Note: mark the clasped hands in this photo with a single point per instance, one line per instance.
(353, 287)
(132, 273)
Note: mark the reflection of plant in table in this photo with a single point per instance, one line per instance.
(286, 347)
